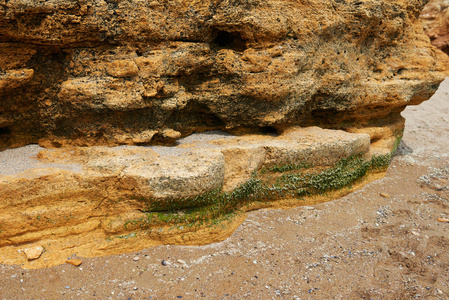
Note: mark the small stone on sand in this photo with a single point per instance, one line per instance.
(75, 262)
(384, 195)
(165, 263)
(34, 252)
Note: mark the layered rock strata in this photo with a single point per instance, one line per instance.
(91, 72)
(103, 200)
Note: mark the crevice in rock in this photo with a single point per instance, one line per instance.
(196, 116)
(270, 130)
(228, 40)
(5, 131)
(5, 134)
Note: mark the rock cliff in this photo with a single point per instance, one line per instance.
(301, 101)
(115, 72)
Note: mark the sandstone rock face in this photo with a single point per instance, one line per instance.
(435, 18)
(102, 200)
(91, 72)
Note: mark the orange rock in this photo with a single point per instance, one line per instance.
(435, 19)
(206, 65)
(34, 252)
(75, 262)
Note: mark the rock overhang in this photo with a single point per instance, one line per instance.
(137, 72)
(83, 77)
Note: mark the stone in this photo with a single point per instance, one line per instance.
(33, 252)
(182, 262)
(74, 262)
(165, 263)
(384, 195)
(114, 72)
(328, 268)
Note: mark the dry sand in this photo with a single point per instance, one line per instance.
(360, 246)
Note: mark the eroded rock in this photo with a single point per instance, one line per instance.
(435, 19)
(435, 16)
(92, 199)
(132, 72)
(150, 73)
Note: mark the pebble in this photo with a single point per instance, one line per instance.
(136, 258)
(165, 263)
(75, 262)
(67, 287)
(182, 262)
(439, 187)
(328, 268)
(34, 252)
(384, 195)
(415, 233)
(440, 292)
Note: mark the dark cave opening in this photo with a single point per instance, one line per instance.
(229, 40)
(270, 130)
(5, 131)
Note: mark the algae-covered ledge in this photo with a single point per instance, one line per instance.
(124, 198)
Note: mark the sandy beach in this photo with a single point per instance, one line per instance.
(383, 241)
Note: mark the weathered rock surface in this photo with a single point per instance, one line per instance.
(89, 200)
(435, 16)
(134, 73)
(91, 72)
(435, 19)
